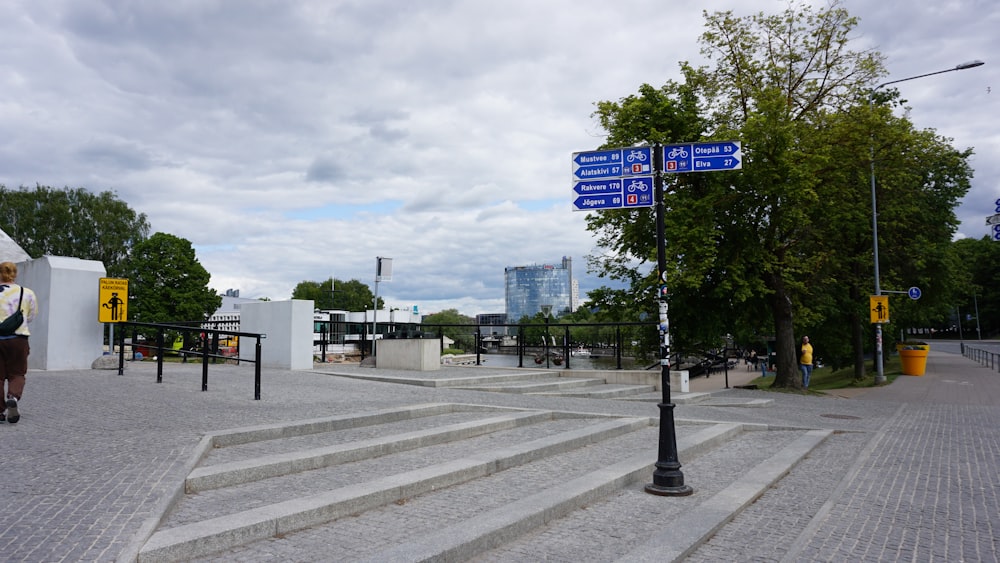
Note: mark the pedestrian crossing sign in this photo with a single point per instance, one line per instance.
(878, 306)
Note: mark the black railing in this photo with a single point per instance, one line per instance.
(208, 338)
(984, 357)
(543, 343)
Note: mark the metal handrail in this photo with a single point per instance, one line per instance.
(205, 350)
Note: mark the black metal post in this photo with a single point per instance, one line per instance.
(256, 372)
(364, 338)
(567, 352)
(668, 480)
(520, 346)
(325, 335)
(479, 345)
(159, 356)
(204, 364)
(618, 347)
(546, 342)
(121, 351)
(725, 361)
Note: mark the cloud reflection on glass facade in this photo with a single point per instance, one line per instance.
(530, 287)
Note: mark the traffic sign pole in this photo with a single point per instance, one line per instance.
(594, 175)
(668, 480)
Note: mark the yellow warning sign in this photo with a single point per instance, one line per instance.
(878, 306)
(113, 306)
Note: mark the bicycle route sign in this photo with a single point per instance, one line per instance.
(703, 157)
(613, 178)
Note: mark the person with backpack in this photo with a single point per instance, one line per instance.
(18, 307)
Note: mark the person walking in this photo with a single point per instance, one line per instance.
(806, 361)
(14, 348)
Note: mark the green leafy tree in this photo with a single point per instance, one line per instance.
(463, 334)
(775, 79)
(980, 294)
(72, 222)
(921, 178)
(783, 245)
(167, 283)
(348, 296)
(739, 243)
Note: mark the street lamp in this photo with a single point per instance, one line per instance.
(880, 375)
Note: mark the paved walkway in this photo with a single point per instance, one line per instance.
(909, 476)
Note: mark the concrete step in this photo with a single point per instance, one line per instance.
(605, 391)
(447, 480)
(442, 379)
(537, 386)
(275, 465)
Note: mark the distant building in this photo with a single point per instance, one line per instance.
(528, 288)
(487, 320)
(575, 295)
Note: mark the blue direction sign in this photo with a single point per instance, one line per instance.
(613, 178)
(703, 157)
(598, 171)
(606, 201)
(598, 187)
(597, 164)
(637, 161)
(638, 191)
(595, 158)
(677, 158)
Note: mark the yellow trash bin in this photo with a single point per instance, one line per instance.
(913, 358)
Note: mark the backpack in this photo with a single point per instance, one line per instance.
(13, 322)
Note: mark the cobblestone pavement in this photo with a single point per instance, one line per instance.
(911, 474)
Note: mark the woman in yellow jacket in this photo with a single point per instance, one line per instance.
(806, 361)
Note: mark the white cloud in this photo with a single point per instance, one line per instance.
(297, 140)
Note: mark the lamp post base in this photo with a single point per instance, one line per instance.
(682, 491)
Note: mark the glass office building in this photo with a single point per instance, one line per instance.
(530, 287)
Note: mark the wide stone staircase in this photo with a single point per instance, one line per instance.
(457, 482)
(524, 381)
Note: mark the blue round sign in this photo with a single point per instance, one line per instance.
(914, 293)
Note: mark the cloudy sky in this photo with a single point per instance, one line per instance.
(294, 140)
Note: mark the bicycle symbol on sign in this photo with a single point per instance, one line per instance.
(676, 152)
(634, 155)
(637, 185)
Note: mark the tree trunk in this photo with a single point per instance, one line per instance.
(784, 331)
(857, 337)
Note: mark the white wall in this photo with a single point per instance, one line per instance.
(66, 333)
(289, 329)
